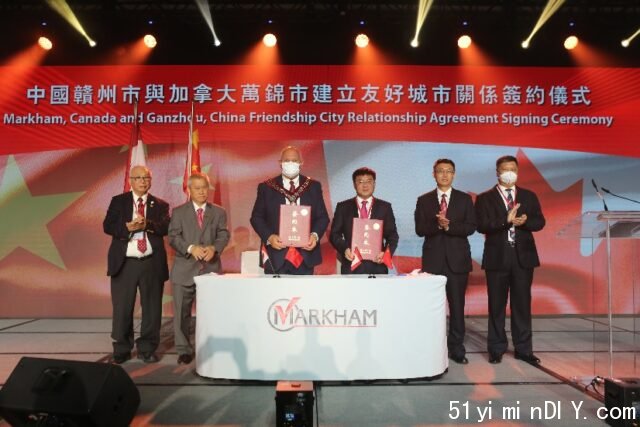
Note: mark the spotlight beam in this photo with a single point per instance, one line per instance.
(423, 10)
(626, 42)
(550, 8)
(63, 8)
(205, 10)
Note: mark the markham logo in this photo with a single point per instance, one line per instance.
(285, 314)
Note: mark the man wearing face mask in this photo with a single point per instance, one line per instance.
(289, 188)
(508, 215)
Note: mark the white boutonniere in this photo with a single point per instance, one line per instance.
(151, 204)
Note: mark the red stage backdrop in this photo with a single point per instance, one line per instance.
(64, 133)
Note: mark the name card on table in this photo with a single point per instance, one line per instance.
(295, 225)
(367, 236)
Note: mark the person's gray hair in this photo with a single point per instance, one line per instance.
(199, 175)
(140, 166)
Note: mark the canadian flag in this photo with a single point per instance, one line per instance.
(264, 253)
(357, 259)
(136, 150)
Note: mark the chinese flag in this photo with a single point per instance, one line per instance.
(193, 154)
(386, 259)
(294, 257)
(357, 258)
(136, 155)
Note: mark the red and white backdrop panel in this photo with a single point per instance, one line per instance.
(64, 133)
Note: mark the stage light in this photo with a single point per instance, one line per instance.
(269, 40)
(550, 8)
(362, 40)
(205, 11)
(571, 42)
(626, 42)
(423, 9)
(525, 44)
(65, 11)
(464, 42)
(45, 43)
(150, 41)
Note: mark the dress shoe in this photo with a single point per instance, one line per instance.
(120, 358)
(529, 358)
(495, 358)
(185, 359)
(148, 357)
(460, 359)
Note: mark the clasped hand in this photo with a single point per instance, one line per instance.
(203, 253)
(443, 221)
(138, 224)
(512, 217)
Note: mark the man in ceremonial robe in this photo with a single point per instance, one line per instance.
(290, 187)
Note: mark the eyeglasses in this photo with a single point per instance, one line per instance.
(141, 178)
(362, 181)
(445, 171)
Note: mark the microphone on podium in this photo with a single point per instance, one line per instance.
(593, 182)
(618, 196)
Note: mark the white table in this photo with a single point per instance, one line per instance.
(320, 327)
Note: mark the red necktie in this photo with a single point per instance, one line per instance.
(443, 205)
(200, 217)
(364, 213)
(292, 189)
(142, 243)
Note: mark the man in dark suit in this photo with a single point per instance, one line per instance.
(198, 233)
(137, 223)
(445, 218)
(364, 205)
(289, 188)
(508, 215)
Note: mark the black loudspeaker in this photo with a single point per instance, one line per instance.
(50, 392)
(622, 400)
(294, 404)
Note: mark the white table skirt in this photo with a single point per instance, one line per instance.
(320, 327)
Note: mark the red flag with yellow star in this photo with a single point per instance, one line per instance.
(193, 154)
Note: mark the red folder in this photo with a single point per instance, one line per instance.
(295, 225)
(367, 237)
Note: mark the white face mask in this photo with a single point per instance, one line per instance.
(508, 177)
(290, 169)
